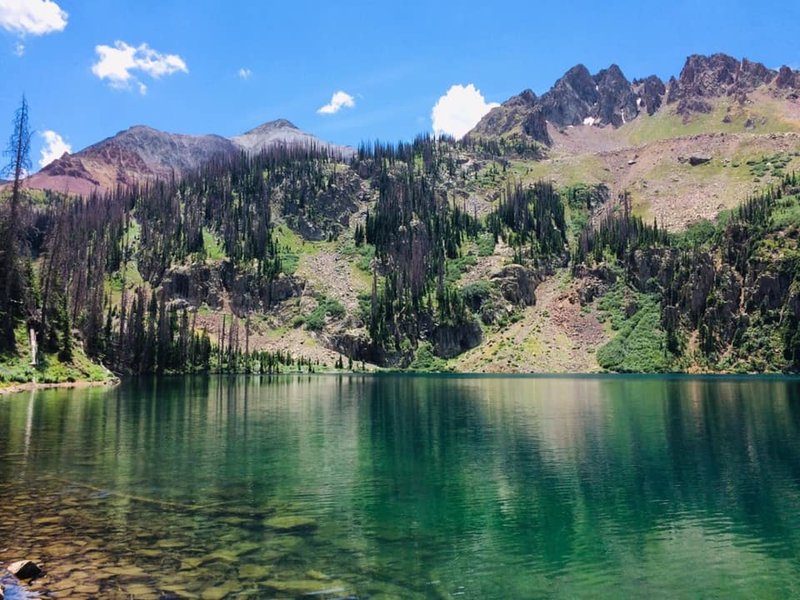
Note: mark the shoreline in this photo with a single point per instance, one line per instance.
(30, 386)
(18, 388)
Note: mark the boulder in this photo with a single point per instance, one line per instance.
(25, 569)
(699, 160)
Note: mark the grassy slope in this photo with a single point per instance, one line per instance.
(643, 157)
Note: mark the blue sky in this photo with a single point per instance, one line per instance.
(225, 67)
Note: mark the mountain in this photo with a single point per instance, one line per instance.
(131, 155)
(143, 152)
(608, 98)
(639, 137)
(283, 132)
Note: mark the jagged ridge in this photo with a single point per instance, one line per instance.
(608, 98)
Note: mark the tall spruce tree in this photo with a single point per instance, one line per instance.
(12, 274)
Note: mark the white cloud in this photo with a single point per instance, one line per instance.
(19, 49)
(34, 17)
(245, 73)
(118, 63)
(339, 100)
(459, 110)
(54, 147)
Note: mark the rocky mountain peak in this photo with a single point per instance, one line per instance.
(617, 102)
(271, 126)
(282, 132)
(714, 76)
(526, 98)
(577, 98)
(787, 79)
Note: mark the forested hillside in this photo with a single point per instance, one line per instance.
(492, 253)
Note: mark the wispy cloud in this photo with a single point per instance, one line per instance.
(459, 110)
(339, 100)
(32, 17)
(19, 49)
(54, 147)
(118, 64)
(245, 73)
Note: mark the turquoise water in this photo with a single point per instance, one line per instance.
(407, 487)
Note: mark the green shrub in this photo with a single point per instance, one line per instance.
(475, 294)
(486, 244)
(326, 307)
(640, 344)
(426, 360)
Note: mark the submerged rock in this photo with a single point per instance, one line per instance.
(291, 524)
(255, 571)
(305, 587)
(25, 569)
(221, 591)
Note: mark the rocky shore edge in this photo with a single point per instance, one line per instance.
(16, 388)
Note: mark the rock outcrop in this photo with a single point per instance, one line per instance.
(517, 285)
(452, 340)
(650, 92)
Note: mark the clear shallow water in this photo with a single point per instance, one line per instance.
(428, 487)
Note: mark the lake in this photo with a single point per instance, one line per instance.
(407, 487)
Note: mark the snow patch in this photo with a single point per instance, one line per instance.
(590, 121)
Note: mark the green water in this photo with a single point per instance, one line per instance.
(415, 487)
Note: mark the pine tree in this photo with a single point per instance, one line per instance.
(65, 352)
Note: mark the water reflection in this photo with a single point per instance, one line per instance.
(434, 486)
